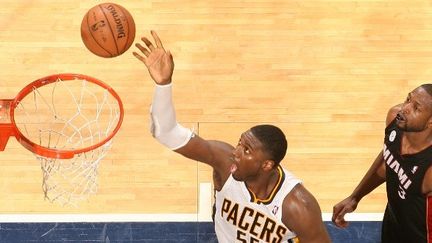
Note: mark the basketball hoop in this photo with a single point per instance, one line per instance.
(68, 122)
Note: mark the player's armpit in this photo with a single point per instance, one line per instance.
(302, 215)
(217, 154)
(427, 182)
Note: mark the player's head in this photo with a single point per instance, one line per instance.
(259, 149)
(416, 112)
(273, 141)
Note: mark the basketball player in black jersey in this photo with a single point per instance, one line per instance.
(405, 165)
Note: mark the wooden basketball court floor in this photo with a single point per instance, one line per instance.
(326, 72)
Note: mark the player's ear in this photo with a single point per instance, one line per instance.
(429, 123)
(268, 165)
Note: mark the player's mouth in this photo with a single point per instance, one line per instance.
(233, 167)
(400, 117)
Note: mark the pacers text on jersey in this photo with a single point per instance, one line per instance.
(251, 223)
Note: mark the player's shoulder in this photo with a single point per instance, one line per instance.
(299, 198)
(392, 112)
(300, 204)
(427, 182)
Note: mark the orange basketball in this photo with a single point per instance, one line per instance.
(108, 30)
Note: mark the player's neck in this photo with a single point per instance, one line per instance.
(263, 185)
(414, 142)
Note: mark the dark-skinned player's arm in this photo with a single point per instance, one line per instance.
(374, 177)
(302, 215)
(164, 127)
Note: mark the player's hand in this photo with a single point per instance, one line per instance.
(347, 205)
(159, 62)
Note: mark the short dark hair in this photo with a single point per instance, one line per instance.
(273, 140)
(428, 88)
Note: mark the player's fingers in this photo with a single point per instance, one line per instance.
(341, 222)
(336, 211)
(143, 49)
(157, 39)
(139, 57)
(148, 43)
(339, 216)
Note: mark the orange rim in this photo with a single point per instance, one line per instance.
(56, 153)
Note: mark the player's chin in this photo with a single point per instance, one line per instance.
(401, 124)
(237, 176)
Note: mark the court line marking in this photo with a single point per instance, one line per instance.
(357, 216)
(72, 218)
(205, 202)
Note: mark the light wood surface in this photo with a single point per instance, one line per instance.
(326, 72)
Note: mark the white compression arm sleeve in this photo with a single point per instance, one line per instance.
(164, 126)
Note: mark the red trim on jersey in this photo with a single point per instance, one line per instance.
(429, 218)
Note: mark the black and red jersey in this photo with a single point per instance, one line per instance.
(408, 216)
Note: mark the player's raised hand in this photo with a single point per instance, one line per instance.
(159, 62)
(347, 205)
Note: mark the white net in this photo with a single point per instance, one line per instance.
(69, 115)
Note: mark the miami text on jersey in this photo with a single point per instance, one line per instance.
(393, 164)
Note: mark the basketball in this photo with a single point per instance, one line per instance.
(108, 30)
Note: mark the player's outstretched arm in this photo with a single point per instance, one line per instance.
(302, 214)
(165, 128)
(374, 177)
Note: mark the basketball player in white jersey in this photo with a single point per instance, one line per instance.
(256, 199)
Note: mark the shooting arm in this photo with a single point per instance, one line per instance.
(164, 126)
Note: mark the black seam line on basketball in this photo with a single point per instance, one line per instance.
(112, 33)
(128, 30)
(91, 33)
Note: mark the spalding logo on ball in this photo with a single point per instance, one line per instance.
(108, 30)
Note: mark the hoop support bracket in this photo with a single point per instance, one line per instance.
(6, 128)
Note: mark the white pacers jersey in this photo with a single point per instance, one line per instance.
(241, 217)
